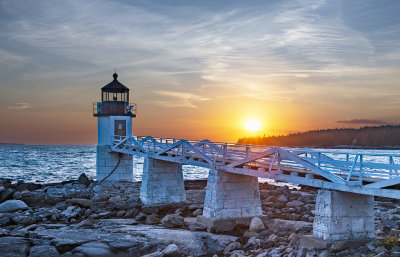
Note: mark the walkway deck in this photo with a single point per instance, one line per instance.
(369, 174)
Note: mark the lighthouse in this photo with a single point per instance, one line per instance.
(114, 118)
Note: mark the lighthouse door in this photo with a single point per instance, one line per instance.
(120, 127)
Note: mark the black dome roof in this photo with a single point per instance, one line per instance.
(115, 86)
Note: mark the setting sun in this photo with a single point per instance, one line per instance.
(252, 125)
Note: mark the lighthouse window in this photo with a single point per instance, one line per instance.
(120, 127)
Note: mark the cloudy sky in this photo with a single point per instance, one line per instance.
(198, 69)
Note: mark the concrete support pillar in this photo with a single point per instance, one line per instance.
(162, 182)
(107, 161)
(231, 196)
(343, 216)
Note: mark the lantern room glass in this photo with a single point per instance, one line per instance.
(116, 97)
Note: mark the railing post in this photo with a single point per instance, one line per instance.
(247, 151)
(361, 167)
(224, 152)
(391, 170)
(319, 160)
(279, 162)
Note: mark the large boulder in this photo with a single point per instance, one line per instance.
(12, 206)
(172, 221)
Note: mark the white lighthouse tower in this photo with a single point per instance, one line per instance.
(114, 115)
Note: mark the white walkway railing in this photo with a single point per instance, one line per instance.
(362, 173)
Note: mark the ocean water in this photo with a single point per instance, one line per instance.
(56, 163)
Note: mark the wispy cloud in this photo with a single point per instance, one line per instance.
(20, 106)
(180, 99)
(362, 122)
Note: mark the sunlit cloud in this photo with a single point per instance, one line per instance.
(328, 60)
(20, 106)
(180, 99)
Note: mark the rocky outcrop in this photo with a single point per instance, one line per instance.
(95, 219)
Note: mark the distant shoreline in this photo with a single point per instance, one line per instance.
(298, 146)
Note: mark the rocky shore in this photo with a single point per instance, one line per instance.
(87, 218)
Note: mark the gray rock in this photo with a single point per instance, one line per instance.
(282, 199)
(4, 232)
(74, 190)
(381, 254)
(43, 250)
(152, 219)
(231, 247)
(197, 212)
(2, 189)
(123, 244)
(339, 246)
(80, 201)
(56, 192)
(71, 212)
(155, 254)
(96, 188)
(172, 221)
(131, 213)
(293, 225)
(272, 238)
(6, 194)
(141, 216)
(94, 249)
(84, 180)
(253, 242)
(12, 206)
(196, 226)
(344, 253)
(325, 253)
(238, 253)
(310, 254)
(256, 225)
(13, 246)
(294, 204)
(24, 220)
(171, 251)
(4, 220)
(389, 223)
(302, 252)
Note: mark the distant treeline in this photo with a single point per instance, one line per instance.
(376, 136)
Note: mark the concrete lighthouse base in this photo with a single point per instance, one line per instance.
(162, 182)
(121, 165)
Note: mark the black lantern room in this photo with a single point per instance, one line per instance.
(114, 100)
(115, 91)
